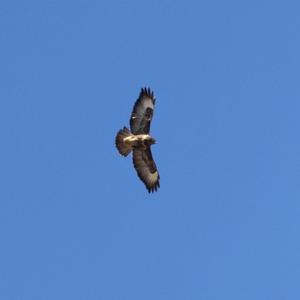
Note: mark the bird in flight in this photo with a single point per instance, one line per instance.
(139, 141)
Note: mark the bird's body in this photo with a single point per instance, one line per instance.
(138, 140)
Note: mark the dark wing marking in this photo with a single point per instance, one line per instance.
(146, 168)
(142, 112)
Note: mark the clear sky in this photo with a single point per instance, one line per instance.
(76, 222)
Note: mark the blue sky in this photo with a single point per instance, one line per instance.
(75, 221)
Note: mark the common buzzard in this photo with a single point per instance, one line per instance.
(139, 141)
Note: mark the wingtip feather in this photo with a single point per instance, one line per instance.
(147, 92)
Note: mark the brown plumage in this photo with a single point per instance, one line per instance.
(139, 141)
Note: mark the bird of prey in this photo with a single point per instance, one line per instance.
(139, 141)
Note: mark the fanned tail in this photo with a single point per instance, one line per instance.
(123, 147)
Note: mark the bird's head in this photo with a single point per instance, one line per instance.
(150, 141)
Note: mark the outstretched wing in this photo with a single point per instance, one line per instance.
(142, 112)
(146, 168)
